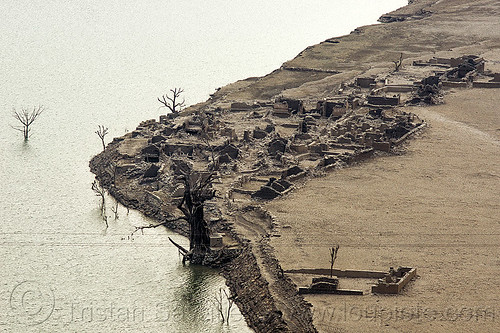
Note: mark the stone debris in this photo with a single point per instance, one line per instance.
(152, 171)
(394, 281)
(283, 141)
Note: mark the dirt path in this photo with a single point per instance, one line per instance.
(436, 208)
(256, 227)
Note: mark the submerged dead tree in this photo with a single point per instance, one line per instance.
(197, 190)
(26, 117)
(192, 205)
(101, 133)
(101, 192)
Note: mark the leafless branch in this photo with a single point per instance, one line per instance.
(101, 132)
(172, 103)
(206, 140)
(230, 302)
(101, 192)
(333, 255)
(219, 304)
(150, 226)
(26, 117)
(114, 209)
(398, 63)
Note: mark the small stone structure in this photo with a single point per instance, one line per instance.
(216, 240)
(327, 285)
(394, 281)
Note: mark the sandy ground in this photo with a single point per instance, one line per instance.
(435, 207)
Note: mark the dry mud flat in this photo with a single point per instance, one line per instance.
(436, 207)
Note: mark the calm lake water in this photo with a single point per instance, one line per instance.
(105, 62)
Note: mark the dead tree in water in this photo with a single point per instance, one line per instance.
(219, 303)
(26, 118)
(197, 190)
(101, 192)
(192, 205)
(101, 132)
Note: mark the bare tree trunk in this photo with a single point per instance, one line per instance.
(26, 118)
(192, 206)
(102, 132)
(199, 238)
(172, 103)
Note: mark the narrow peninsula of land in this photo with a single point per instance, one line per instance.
(317, 153)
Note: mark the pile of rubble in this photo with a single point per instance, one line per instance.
(259, 150)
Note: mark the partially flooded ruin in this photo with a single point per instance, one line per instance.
(261, 150)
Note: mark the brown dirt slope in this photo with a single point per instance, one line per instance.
(430, 28)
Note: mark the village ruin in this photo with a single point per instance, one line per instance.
(261, 151)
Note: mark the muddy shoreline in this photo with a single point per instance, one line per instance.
(243, 274)
(266, 297)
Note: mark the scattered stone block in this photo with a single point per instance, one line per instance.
(277, 145)
(329, 160)
(431, 80)
(216, 240)
(259, 134)
(168, 131)
(292, 171)
(298, 148)
(266, 193)
(303, 136)
(158, 138)
(152, 171)
(383, 100)
(229, 132)
(383, 146)
(269, 128)
(231, 150)
(224, 158)
(246, 136)
(365, 82)
(237, 106)
(315, 148)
